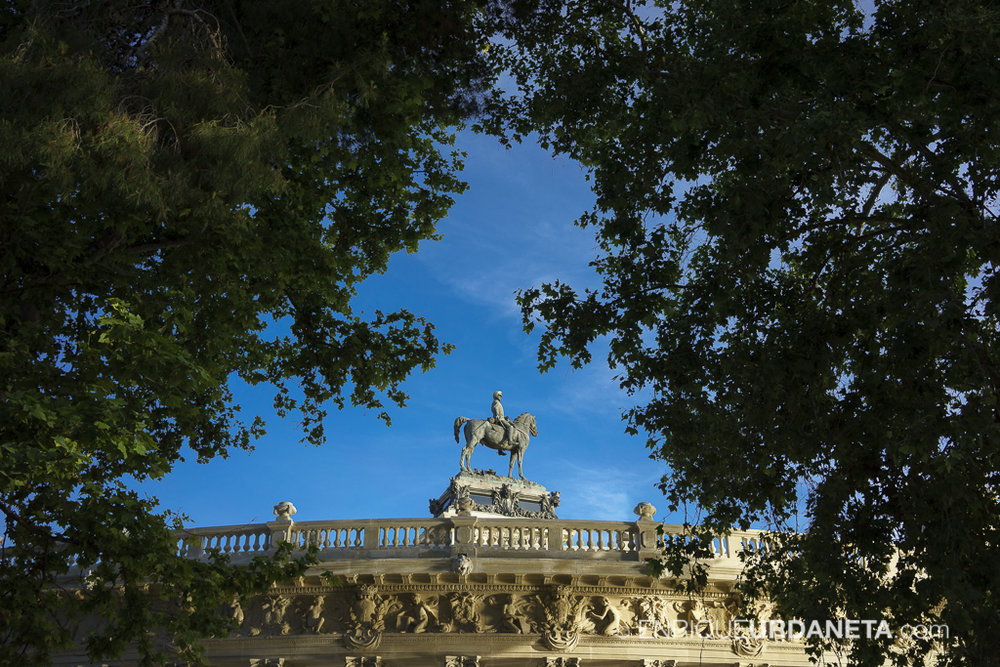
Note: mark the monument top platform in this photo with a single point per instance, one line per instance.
(485, 493)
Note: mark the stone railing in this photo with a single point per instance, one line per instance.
(486, 537)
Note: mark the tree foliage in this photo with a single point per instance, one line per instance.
(797, 218)
(191, 191)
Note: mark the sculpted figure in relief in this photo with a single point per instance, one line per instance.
(417, 618)
(549, 504)
(510, 617)
(236, 613)
(653, 618)
(314, 617)
(274, 607)
(605, 616)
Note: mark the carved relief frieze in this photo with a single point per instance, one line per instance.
(561, 616)
(365, 621)
(507, 613)
(747, 646)
(314, 620)
(465, 613)
(654, 616)
(558, 615)
(363, 661)
(270, 618)
(507, 502)
(237, 616)
(605, 617)
(461, 661)
(416, 615)
(267, 662)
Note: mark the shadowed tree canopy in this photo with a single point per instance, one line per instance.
(189, 193)
(797, 219)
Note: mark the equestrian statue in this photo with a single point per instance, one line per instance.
(499, 433)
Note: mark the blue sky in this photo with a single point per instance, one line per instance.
(512, 229)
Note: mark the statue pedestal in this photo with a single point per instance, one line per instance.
(484, 493)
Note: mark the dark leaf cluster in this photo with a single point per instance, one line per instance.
(799, 245)
(190, 192)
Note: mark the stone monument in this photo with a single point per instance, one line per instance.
(496, 579)
(485, 493)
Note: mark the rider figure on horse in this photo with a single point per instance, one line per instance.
(500, 419)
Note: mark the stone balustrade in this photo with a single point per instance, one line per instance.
(487, 537)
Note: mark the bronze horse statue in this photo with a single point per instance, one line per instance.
(481, 431)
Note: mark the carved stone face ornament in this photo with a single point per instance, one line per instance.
(461, 564)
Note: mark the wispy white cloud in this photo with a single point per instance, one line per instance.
(488, 269)
(605, 493)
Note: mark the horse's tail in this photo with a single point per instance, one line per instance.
(458, 424)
